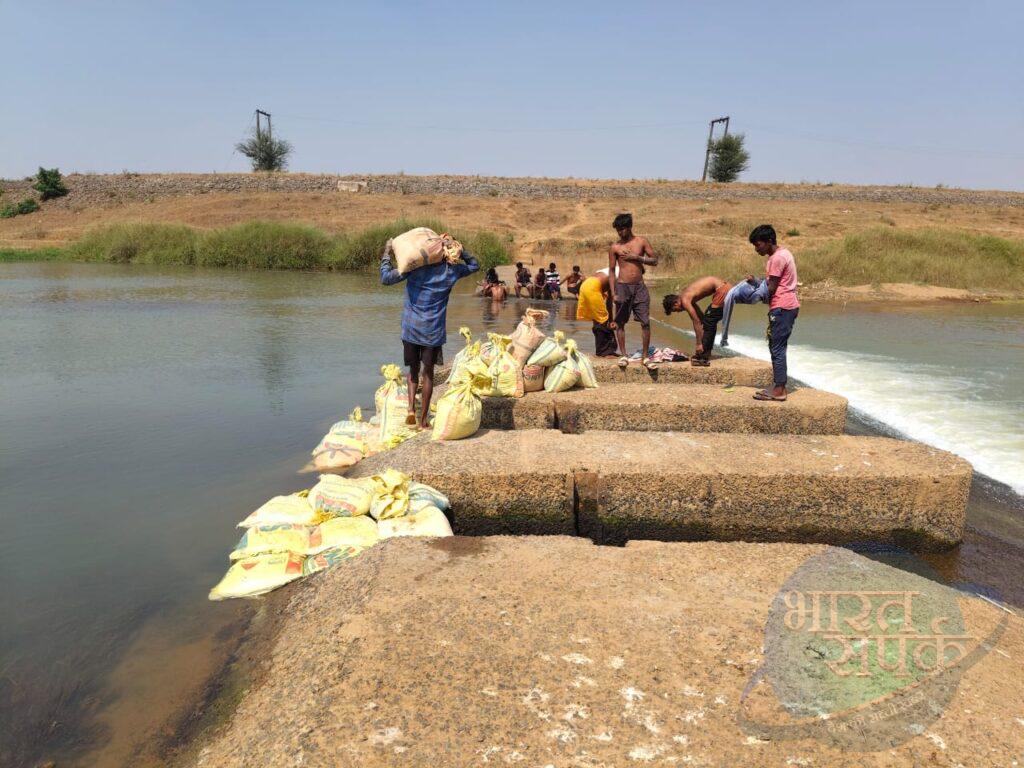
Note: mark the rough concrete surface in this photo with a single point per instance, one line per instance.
(739, 371)
(615, 486)
(550, 651)
(646, 407)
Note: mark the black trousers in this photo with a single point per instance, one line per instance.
(709, 320)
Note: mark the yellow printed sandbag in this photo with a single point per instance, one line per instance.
(336, 496)
(353, 426)
(461, 356)
(566, 374)
(587, 376)
(421, 491)
(289, 510)
(391, 496)
(549, 352)
(533, 378)
(392, 401)
(421, 246)
(328, 559)
(343, 532)
(338, 452)
(429, 521)
(506, 374)
(527, 336)
(459, 409)
(264, 539)
(255, 576)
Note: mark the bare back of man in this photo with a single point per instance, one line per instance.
(705, 322)
(626, 260)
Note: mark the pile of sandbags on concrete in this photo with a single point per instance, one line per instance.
(294, 536)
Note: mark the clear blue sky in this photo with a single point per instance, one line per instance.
(861, 92)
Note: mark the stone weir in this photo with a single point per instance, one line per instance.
(617, 486)
(542, 651)
(675, 407)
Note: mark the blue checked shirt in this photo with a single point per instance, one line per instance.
(426, 296)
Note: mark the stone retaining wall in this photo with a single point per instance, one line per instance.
(105, 189)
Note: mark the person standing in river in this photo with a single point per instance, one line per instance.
(427, 290)
(626, 261)
(783, 305)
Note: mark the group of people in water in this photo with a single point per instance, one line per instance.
(609, 299)
(546, 284)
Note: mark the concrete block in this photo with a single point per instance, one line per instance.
(617, 486)
(352, 186)
(835, 489)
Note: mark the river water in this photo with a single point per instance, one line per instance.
(146, 410)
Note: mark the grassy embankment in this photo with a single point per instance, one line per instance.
(941, 257)
(880, 254)
(253, 245)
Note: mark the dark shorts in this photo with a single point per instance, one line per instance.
(417, 353)
(632, 299)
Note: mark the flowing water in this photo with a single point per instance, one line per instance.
(146, 410)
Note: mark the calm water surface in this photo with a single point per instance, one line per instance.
(145, 411)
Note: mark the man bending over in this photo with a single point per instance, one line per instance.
(705, 322)
(423, 320)
(626, 260)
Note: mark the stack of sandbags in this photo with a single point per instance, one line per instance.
(347, 442)
(548, 352)
(306, 532)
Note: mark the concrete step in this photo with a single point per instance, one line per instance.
(668, 408)
(739, 371)
(617, 486)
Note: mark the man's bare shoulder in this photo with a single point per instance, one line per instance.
(702, 286)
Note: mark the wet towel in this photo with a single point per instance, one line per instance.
(743, 293)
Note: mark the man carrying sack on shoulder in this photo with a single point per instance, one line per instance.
(424, 332)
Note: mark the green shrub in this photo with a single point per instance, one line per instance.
(138, 244)
(489, 248)
(49, 183)
(264, 152)
(729, 158)
(10, 210)
(264, 245)
(31, 254)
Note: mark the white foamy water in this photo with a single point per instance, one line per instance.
(925, 402)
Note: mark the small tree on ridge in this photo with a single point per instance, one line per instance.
(264, 152)
(728, 158)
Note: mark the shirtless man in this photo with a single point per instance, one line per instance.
(705, 322)
(626, 260)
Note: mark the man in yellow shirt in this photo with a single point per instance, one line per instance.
(595, 304)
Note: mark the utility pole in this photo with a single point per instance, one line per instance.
(270, 133)
(707, 151)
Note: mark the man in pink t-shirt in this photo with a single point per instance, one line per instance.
(783, 305)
